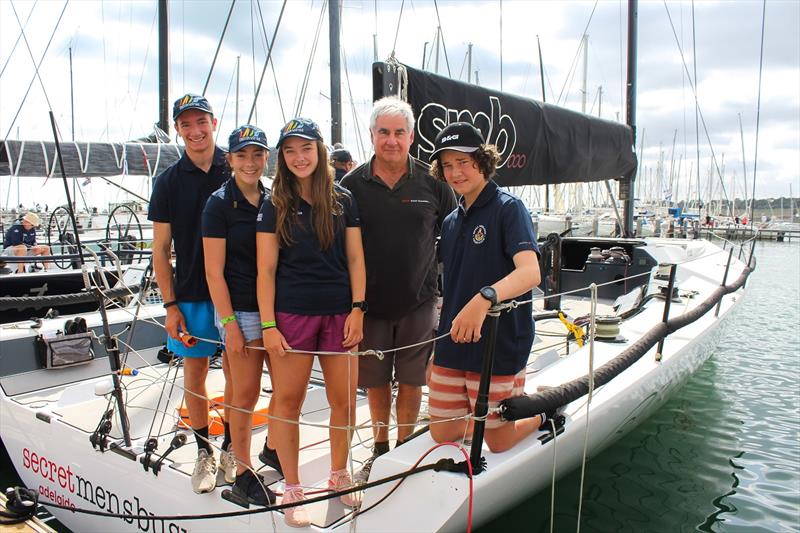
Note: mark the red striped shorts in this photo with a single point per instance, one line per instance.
(452, 393)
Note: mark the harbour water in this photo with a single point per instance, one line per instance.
(722, 455)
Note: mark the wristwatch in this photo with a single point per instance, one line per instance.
(490, 294)
(361, 305)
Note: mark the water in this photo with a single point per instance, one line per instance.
(722, 455)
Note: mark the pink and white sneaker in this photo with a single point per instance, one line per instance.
(341, 480)
(296, 516)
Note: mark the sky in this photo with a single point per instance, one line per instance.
(114, 64)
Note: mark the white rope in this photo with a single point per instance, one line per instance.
(593, 288)
(553, 480)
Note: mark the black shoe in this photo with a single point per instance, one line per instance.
(249, 489)
(269, 457)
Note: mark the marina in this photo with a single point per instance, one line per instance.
(631, 305)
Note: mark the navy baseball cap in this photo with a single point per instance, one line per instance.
(245, 136)
(341, 155)
(300, 127)
(458, 136)
(190, 101)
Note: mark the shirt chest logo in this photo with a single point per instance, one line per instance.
(479, 234)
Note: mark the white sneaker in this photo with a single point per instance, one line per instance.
(227, 463)
(204, 477)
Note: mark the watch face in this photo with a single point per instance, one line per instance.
(490, 294)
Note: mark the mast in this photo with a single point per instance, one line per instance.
(238, 58)
(163, 65)
(626, 184)
(336, 72)
(544, 99)
(71, 95)
(469, 63)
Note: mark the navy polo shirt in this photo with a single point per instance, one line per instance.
(17, 234)
(399, 228)
(228, 215)
(477, 249)
(309, 280)
(178, 198)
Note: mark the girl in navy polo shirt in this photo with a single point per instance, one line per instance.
(229, 237)
(489, 254)
(311, 285)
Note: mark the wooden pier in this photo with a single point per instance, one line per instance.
(734, 232)
(32, 525)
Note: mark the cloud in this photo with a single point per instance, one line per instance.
(115, 66)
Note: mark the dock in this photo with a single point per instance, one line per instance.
(737, 232)
(32, 525)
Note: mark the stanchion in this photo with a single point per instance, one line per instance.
(667, 303)
(724, 281)
(482, 401)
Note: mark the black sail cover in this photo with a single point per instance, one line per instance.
(86, 159)
(538, 143)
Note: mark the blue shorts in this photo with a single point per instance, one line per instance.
(199, 317)
(249, 324)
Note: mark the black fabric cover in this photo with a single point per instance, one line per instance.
(86, 159)
(538, 143)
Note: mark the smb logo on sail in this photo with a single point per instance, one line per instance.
(497, 128)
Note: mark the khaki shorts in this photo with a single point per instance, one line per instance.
(406, 366)
(452, 393)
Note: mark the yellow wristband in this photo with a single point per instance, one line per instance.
(227, 320)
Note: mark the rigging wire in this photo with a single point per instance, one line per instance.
(758, 108)
(441, 37)
(219, 45)
(356, 120)
(697, 104)
(141, 74)
(36, 66)
(696, 117)
(13, 48)
(269, 56)
(271, 63)
(572, 66)
(301, 97)
(397, 29)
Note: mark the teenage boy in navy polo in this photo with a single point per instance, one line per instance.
(176, 206)
(402, 209)
(489, 253)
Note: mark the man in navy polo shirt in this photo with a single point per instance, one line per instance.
(489, 253)
(176, 206)
(402, 209)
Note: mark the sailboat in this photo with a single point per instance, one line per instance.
(622, 323)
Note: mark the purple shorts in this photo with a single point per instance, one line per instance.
(313, 333)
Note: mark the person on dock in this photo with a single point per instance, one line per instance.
(20, 240)
(342, 162)
(402, 209)
(176, 206)
(489, 254)
(310, 284)
(229, 247)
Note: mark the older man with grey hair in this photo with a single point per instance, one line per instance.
(402, 208)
